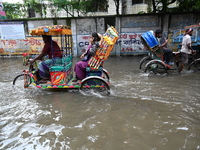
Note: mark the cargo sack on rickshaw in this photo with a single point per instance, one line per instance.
(152, 45)
(107, 43)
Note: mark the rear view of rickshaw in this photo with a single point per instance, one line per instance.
(61, 70)
(155, 62)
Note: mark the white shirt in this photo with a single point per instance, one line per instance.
(185, 42)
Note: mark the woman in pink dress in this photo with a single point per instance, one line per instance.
(80, 67)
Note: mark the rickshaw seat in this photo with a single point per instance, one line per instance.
(94, 72)
(63, 64)
(61, 68)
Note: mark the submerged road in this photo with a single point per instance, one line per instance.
(142, 113)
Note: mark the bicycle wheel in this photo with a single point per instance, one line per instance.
(94, 85)
(22, 80)
(156, 67)
(144, 61)
(197, 64)
(105, 75)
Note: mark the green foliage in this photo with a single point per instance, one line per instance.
(182, 5)
(141, 12)
(188, 5)
(36, 6)
(80, 7)
(14, 11)
(18, 10)
(61, 5)
(161, 5)
(94, 5)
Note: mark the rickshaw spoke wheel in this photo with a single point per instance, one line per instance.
(105, 76)
(22, 80)
(156, 68)
(144, 61)
(197, 64)
(95, 86)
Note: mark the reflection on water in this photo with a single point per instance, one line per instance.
(142, 112)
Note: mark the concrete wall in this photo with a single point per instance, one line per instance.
(130, 28)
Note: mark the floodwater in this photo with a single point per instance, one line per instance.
(142, 113)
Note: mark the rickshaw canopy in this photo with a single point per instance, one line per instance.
(51, 30)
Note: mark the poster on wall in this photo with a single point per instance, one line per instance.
(12, 30)
(83, 42)
(2, 12)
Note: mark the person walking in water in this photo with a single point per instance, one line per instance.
(186, 48)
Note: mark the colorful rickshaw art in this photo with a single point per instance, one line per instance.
(61, 72)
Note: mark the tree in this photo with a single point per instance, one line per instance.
(10, 9)
(63, 5)
(188, 5)
(36, 6)
(81, 7)
(117, 6)
(161, 5)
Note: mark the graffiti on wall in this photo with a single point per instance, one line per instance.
(31, 45)
(16, 47)
(130, 43)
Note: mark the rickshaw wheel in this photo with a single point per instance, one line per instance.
(22, 80)
(105, 75)
(155, 67)
(144, 61)
(197, 64)
(94, 85)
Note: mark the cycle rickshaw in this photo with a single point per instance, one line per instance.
(61, 72)
(154, 62)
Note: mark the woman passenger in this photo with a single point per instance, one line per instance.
(80, 67)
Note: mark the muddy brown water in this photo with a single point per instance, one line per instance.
(142, 113)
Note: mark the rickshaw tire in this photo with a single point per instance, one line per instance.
(197, 63)
(156, 69)
(22, 75)
(88, 84)
(105, 75)
(144, 59)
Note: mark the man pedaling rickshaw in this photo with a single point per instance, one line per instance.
(45, 65)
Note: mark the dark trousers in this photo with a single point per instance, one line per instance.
(167, 55)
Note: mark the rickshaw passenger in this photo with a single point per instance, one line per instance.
(163, 44)
(45, 65)
(80, 67)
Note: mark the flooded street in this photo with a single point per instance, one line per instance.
(142, 113)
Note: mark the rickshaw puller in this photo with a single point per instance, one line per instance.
(46, 64)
